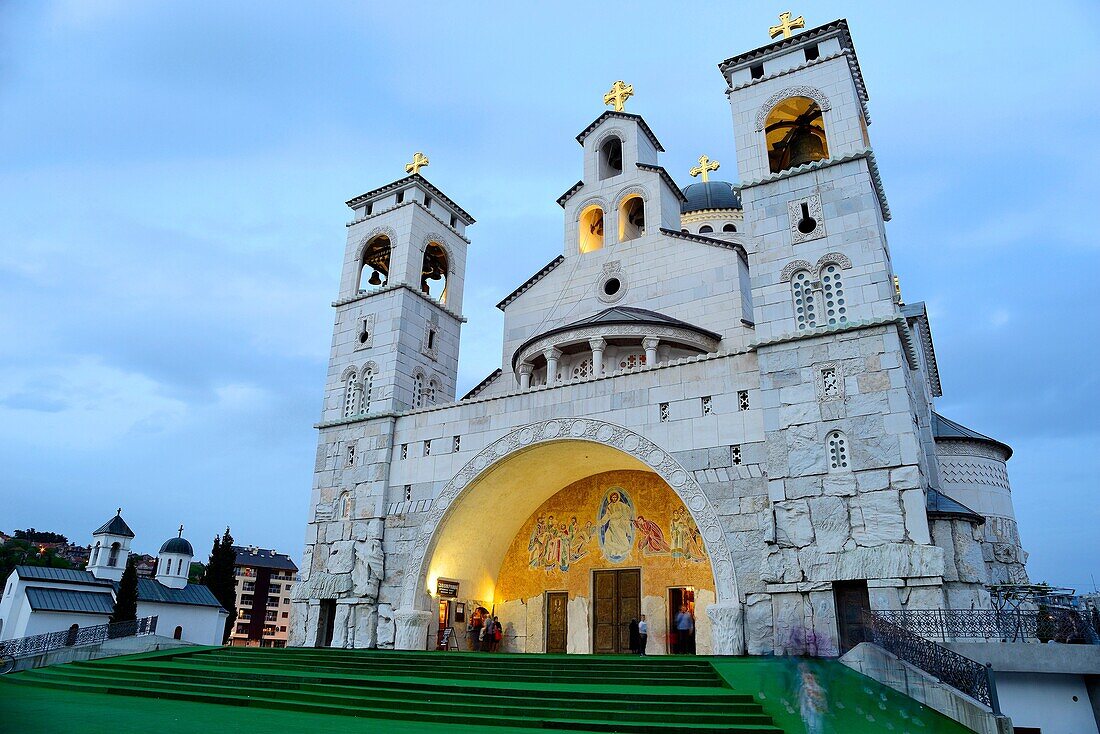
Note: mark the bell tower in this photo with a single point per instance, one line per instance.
(810, 186)
(398, 313)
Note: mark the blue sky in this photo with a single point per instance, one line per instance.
(172, 179)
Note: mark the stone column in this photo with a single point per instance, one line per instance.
(729, 627)
(650, 344)
(525, 370)
(598, 345)
(553, 354)
(412, 629)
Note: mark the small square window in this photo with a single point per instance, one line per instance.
(735, 454)
(349, 457)
(428, 202)
(742, 399)
(664, 412)
(707, 405)
(404, 451)
(454, 222)
(812, 52)
(428, 448)
(457, 444)
(431, 338)
(400, 197)
(830, 385)
(408, 493)
(370, 208)
(757, 71)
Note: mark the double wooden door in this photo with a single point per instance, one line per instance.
(616, 599)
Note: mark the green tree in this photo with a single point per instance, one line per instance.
(220, 579)
(22, 553)
(127, 596)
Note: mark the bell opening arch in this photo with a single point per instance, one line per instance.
(472, 523)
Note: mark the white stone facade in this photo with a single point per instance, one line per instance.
(801, 444)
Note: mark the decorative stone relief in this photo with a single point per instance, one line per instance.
(611, 279)
(411, 629)
(364, 337)
(728, 634)
(387, 231)
(801, 90)
(807, 219)
(829, 381)
(834, 257)
(580, 429)
(793, 267)
(664, 333)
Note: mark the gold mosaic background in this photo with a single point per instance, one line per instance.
(583, 527)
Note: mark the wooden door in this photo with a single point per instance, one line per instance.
(851, 602)
(326, 622)
(557, 621)
(616, 600)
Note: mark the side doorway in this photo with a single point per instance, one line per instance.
(851, 601)
(326, 622)
(617, 599)
(557, 621)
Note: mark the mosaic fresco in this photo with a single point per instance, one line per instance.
(615, 519)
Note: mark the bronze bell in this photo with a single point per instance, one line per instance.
(375, 278)
(804, 147)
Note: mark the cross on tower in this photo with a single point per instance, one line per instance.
(786, 25)
(706, 165)
(419, 161)
(181, 531)
(620, 92)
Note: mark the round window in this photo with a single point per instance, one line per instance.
(611, 286)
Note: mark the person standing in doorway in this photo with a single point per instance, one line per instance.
(487, 635)
(643, 635)
(634, 636)
(685, 626)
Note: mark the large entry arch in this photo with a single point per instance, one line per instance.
(525, 467)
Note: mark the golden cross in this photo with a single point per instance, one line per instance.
(706, 165)
(786, 25)
(620, 92)
(419, 161)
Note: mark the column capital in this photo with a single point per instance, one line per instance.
(551, 353)
(597, 344)
(526, 368)
(650, 342)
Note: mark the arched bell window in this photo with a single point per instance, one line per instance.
(112, 560)
(611, 158)
(631, 218)
(374, 265)
(590, 234)
(795, 133)
(433, 273)
(95, 554)
(178, 634)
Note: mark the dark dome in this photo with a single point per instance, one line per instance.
(710, 195)
(177, 545)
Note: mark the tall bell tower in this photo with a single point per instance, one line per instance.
(398, 314)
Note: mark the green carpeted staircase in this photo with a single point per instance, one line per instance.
(580, 693)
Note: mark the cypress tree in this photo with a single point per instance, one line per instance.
(127, 596)
(221, 581)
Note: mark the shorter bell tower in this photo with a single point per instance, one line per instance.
(110, 548)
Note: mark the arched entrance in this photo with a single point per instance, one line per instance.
(477, 516)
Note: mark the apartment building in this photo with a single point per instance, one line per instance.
(264, 579)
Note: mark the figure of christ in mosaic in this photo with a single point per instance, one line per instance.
(616, 525)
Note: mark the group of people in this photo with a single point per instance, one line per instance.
(681, 638)
(485, 633)
(639, 635)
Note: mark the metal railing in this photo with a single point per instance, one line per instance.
(38, 644)
(1010, 625)
(959, 672)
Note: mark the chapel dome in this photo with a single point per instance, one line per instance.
(709, 195)
(177, 545)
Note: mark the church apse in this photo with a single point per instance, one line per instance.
(616, 520)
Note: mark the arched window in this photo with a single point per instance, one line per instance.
(631, 218)
(178, 634)
(706, 229)
(729, 228)
(351, 395)
(366, 390)
(433, 390)
(374, 265)
(805, 311)
(418, 390)
(582, 370)
(590, 234)
(836, 444)
(345, 505)
(112, 560)
(95, 554)
(611, 158)
(795, 134)
(433, 273)
(832, 292)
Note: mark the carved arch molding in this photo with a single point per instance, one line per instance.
(577, 429)
(387, 231)
(801, 90)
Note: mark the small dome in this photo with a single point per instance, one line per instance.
(710, 195)
(177, 545)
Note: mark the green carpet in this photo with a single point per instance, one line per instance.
(317, 691)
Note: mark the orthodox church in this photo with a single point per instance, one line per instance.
(713, 406)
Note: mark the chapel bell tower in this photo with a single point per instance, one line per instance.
(398, 314)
